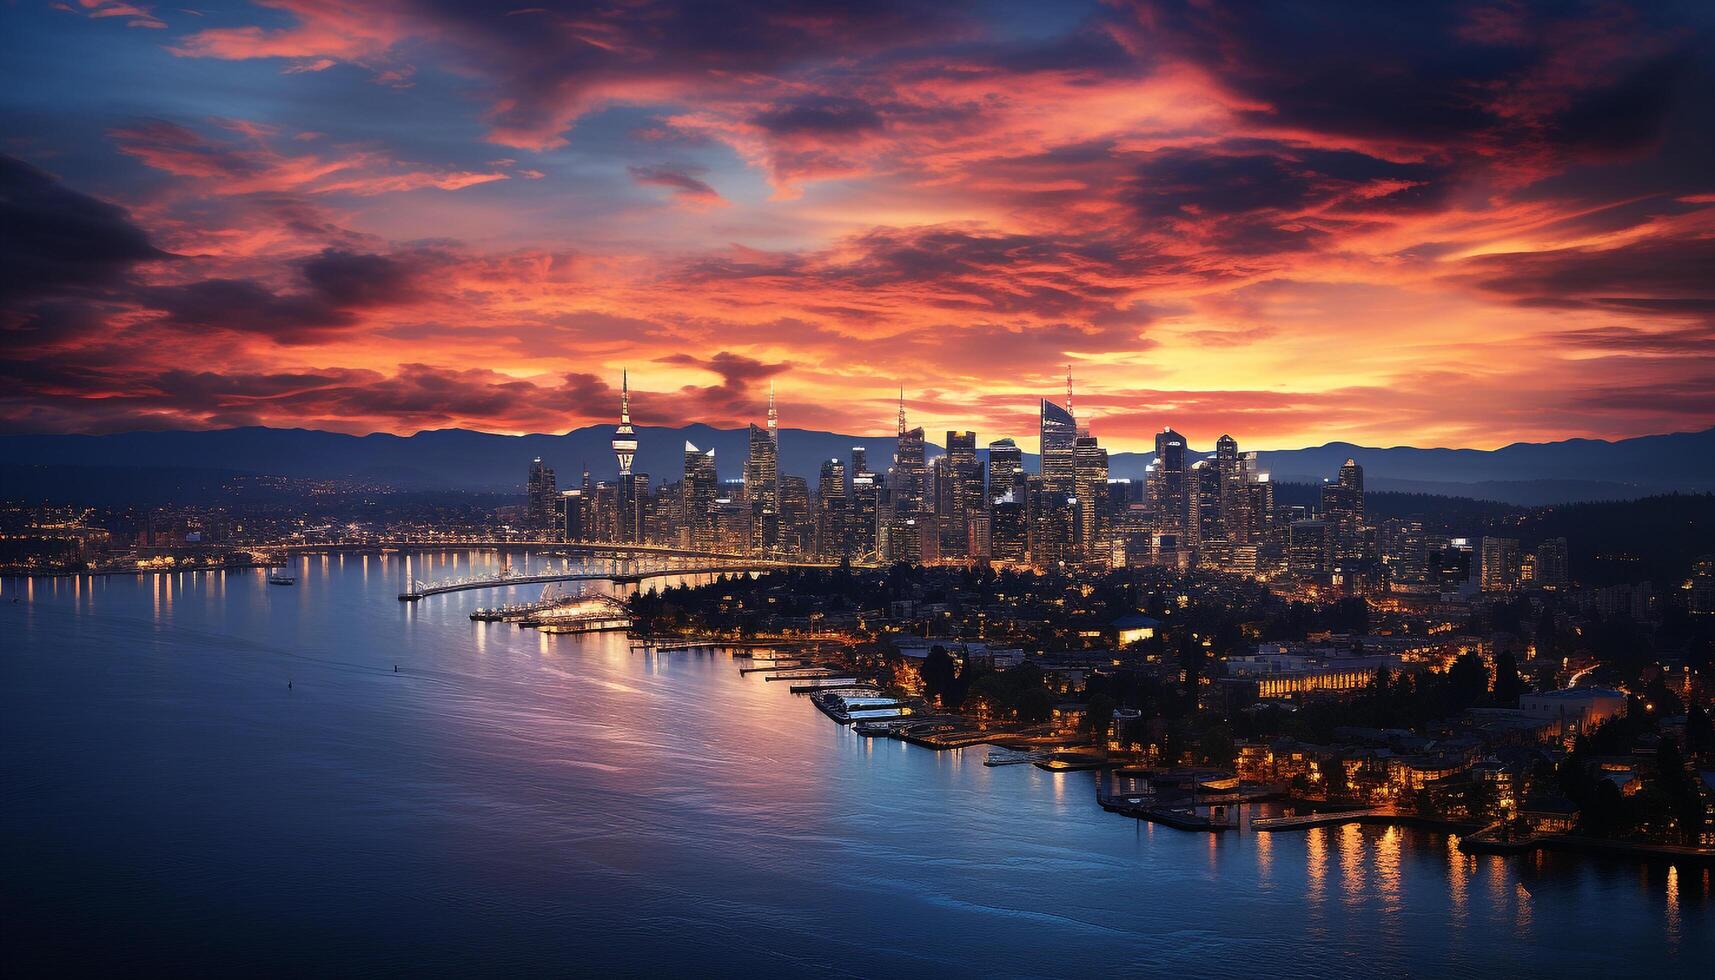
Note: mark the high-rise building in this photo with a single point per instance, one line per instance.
(574, 515)
(1090, 487)
(762, 471)
(1058, 437)
(1343, 509)
(1700, 588)
(1310, 551)
(542, 498)
(910, 473)
(1008, 533)
(963, 494)
(1169, 494)
(697, 498)
(1207, 489)
(1006, 470)
(1551, 572)
(831, 510)
(865, 524)
(1499, 568)
(797, 527)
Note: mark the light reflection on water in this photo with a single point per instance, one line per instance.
(512, 800)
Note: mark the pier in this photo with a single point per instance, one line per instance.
(1304, 821)
(621, 576)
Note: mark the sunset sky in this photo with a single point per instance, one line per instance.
(1460, 224)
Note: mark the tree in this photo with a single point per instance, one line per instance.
(939, 674)
(1508, 685)
(1468, 679)
(1099, 714)
(1035, 705)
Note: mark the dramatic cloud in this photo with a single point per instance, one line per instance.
(1293, 222)
(58, 240)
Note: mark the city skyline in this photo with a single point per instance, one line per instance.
(415, 217)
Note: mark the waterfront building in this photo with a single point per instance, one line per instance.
(697, 496)
(1575, 710)
(574, 515)
(542, 497)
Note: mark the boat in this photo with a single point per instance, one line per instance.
(282, 578)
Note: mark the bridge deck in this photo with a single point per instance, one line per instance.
(619, 577)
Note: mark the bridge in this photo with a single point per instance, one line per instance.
(594, 548)
(505, 577)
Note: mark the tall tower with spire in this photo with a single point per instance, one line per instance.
(773, 417)
(902, 410)
(624, 436)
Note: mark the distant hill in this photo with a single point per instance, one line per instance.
(1522, 473)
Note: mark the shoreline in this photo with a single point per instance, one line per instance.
(1464, 830)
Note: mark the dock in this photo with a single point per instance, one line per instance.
(1326, 818)
(1147, 807)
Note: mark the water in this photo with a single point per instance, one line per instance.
(518, 802)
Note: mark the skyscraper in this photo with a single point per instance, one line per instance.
(1551, 570)
(909, 471)
(697, 496)
(1006, 469)
(1058, 437)
(542, 497)
(1498, 570)
(964, 495)
(1343, 509)
(762, 471)
(865, 514)
(831, 509)
(1168, 492)
(1090, 470)
(1203, 523)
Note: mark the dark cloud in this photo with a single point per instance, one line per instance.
(822, 116)
(1698, 339)
(544, 78)
(357, 279)
(1664, 276)
(56, 240)
(247, 307)
(682, 181)
(1253, 197)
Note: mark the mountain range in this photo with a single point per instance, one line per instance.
(459, 459)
